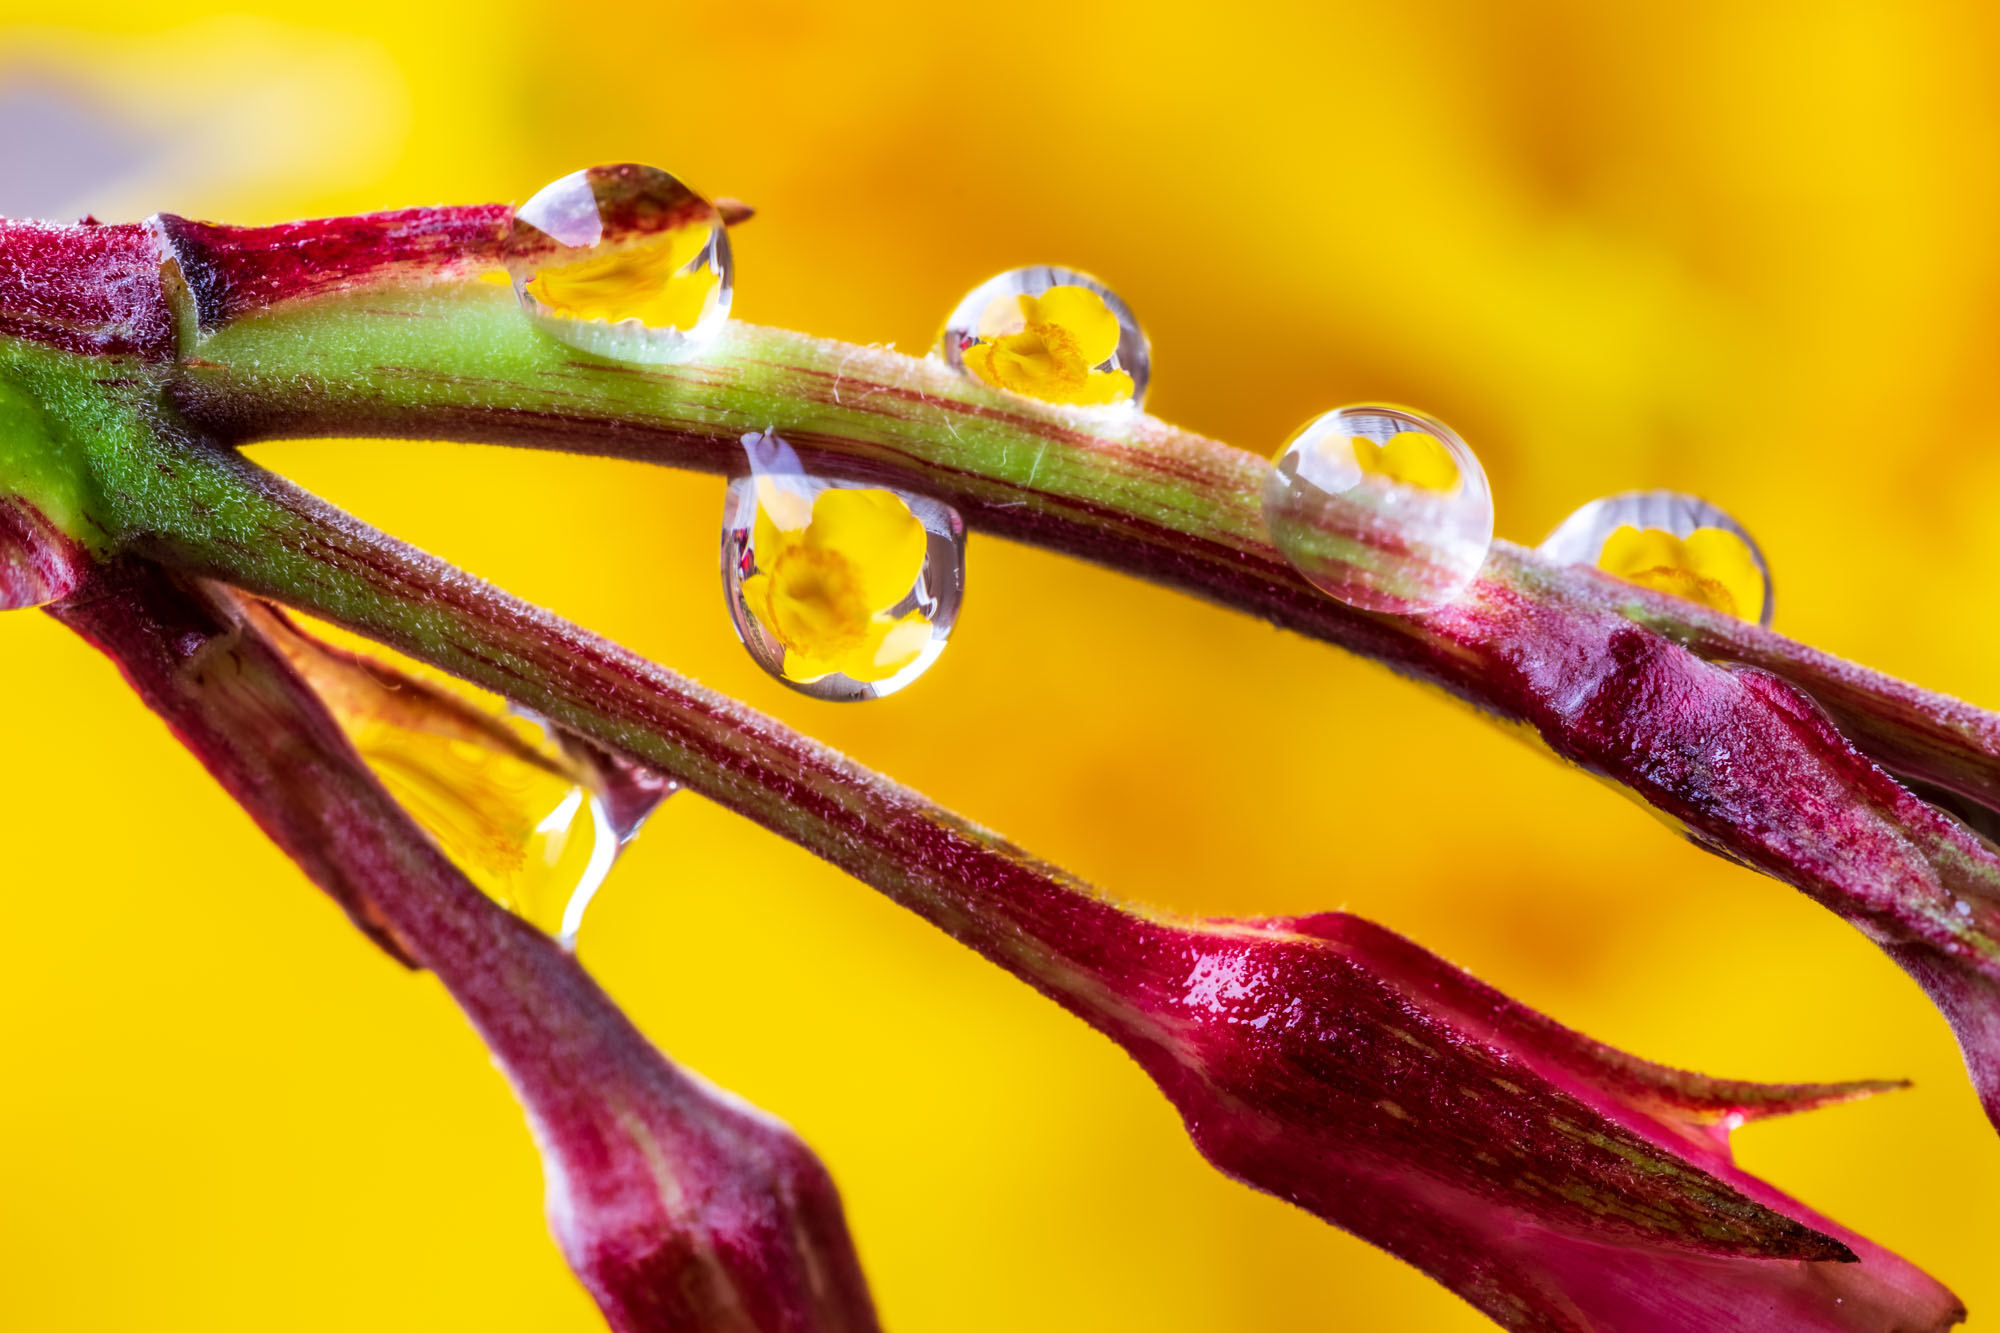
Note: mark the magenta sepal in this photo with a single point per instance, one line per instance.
(680, 1207)
(1553, 1182)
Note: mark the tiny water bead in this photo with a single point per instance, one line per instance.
(1672, 543)
(1381, 507)
(840, 590)
(624, 262)
(513, 808)
(1050, 333)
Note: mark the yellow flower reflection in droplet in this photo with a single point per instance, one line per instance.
(827, 576)
(1412, 457)
(500, 798)
(640, 280)
(1068, 331)
(1712, 566)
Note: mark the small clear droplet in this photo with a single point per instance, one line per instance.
(1382, 507)
(841, 590)
(1672, 543)
(1052, 334)
(624, 262)
(624, 795)
(531, 817)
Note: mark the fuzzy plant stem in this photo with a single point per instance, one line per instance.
(1558, 1185)
(1766, 751)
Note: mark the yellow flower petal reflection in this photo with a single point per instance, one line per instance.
(828, 577)
(1712, 566)
(623, 262)
(502, 800)
(1054, 334)
(1067, 330)
(642, 280)
(1412, 457)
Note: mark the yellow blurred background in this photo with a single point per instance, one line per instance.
(1744, 250)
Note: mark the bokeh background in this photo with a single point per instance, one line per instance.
(1744, 250)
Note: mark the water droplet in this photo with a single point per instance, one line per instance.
(1050, 333)
(533, 816)
(624, 262)
(1381, 507)
(841, 590)
(1672, 543)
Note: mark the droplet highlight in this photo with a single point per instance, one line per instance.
(843, 591)
(1673, 543)
(534, 817)
(1052, 334)
(1382, 507)
(623, 262)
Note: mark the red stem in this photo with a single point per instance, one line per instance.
(682, 1209)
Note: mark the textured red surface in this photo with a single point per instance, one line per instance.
(84, 288)
(233, 269)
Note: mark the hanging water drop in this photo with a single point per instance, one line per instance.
(840, 590)
(1381, 507)
(1050, 333)
(624, 796)
(624, 262)
(533, 816)
(1671, 543)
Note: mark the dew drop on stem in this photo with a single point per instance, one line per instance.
(1672, 543)
(841, 590)
(534, 823)
(1052, 334)
(1382, 507)
(624, 262)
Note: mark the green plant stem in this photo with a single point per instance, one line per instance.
(1139, 495)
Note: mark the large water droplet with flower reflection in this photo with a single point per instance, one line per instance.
(1050, 333)
(624, 262)
(1382, 507)
(1672, 543)
(841, 590)
(532, 818)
